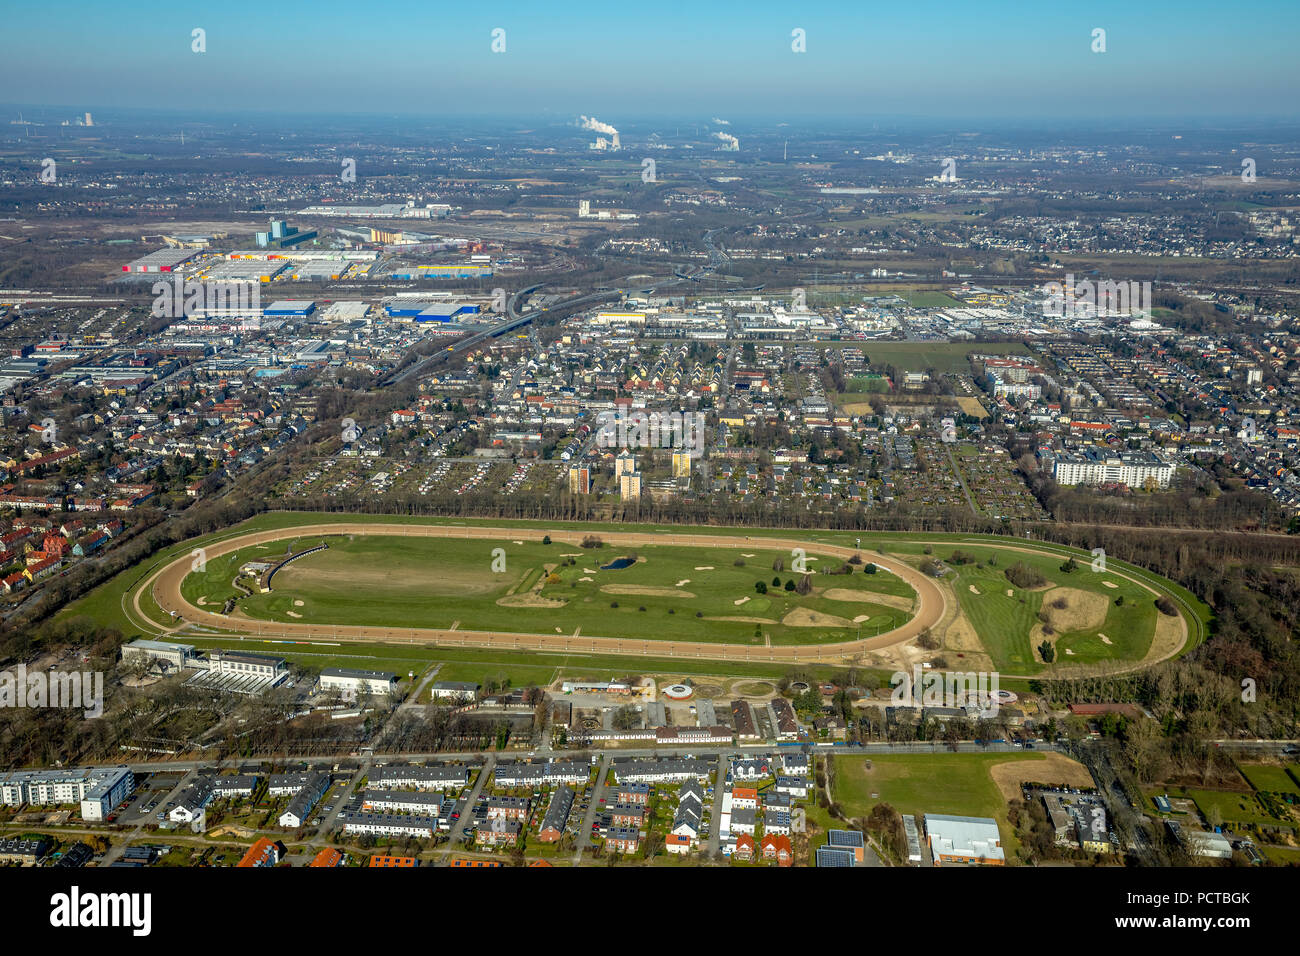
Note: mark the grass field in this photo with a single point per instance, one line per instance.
(1232, 807)
(1271, 779)
(950, 783)
(670, 593)
(466, 663)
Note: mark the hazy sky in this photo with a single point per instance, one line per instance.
(622, 60)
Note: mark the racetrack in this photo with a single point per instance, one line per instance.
(166, 588)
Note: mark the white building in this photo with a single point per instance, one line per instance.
(964, 840)
(353, 683)
(390, 824)
(98, 789)
(172, 656)
(1094, 468)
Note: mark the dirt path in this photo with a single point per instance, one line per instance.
(166, 587)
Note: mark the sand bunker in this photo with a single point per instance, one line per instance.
(1070, 652)
(744, 555)
(202, 601)
(528, 600)
(590, 571)
(973, 589)
(520, 543)
(740, 601)
(293, 613)
(1105, 639)
(297, 603)
(646, 590)
(1109, 584)
(1010, 593)
(586, 579)
(804, 617)
(861, 617)
(683, 581)
(707, 567)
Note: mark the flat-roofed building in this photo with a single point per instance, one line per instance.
(252, 665)
(453, 690)
(964, 840)
(98, 789)
(347, 680)
(171, 656)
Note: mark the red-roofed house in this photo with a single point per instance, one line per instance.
(262, 853)
(778, 848)
(744, 847)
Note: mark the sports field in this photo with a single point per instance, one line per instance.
(959, 784)
(676, 593)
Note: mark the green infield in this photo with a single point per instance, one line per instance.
(1093, 615)
(663, 592)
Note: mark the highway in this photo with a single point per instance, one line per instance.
(514, 319)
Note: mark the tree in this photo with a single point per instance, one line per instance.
(760, 587)
(626, 718)
(1048, 651)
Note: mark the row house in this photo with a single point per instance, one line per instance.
(507, 808)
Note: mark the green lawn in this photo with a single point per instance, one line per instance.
(1271, 779)
(467, 663)
(1232, 807)
(696, 593)
(1005, 622)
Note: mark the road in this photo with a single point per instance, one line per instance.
(598, 790)
(715, 818)
(119, 846)
(466, 806)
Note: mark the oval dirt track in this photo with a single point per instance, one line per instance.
(166, 587)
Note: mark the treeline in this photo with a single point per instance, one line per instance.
(1246, 675)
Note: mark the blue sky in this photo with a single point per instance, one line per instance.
(623, 60)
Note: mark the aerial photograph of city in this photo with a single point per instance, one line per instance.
(673, 437)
